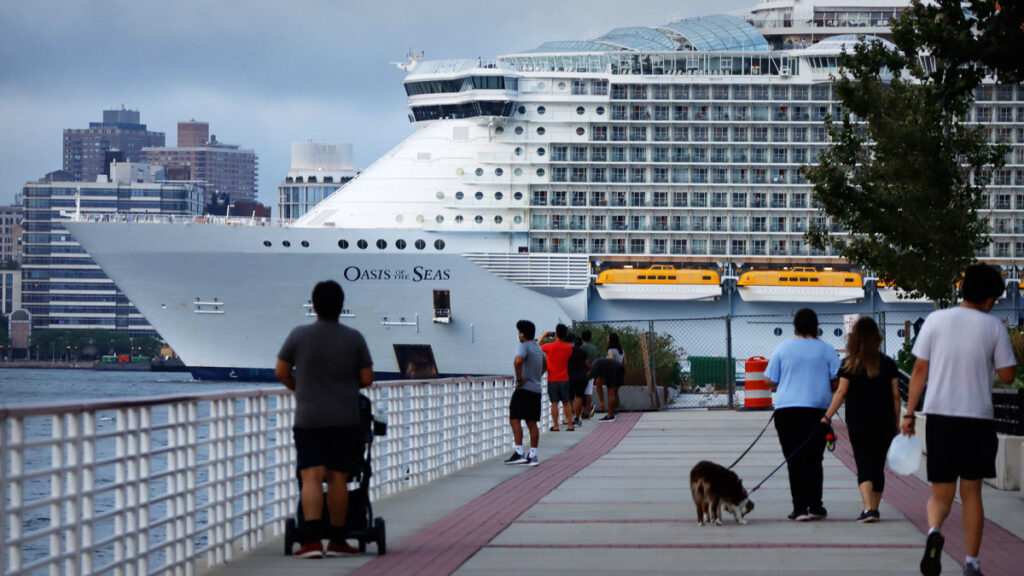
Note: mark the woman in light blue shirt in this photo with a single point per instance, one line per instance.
(802, 371)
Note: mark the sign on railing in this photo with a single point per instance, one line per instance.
(166, 484)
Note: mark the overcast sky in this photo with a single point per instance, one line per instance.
(262, 73)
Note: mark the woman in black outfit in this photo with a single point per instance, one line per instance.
(868, 381)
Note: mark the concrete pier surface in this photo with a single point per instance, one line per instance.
(614, 498)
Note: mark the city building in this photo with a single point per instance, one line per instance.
(87, 150)
(228, 170)
(317, 170)
(62, 287)
(10, 291)
(10, 235)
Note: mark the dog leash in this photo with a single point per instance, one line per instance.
(754, 442)
(830, 443)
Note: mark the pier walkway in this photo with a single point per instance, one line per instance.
(614, 498)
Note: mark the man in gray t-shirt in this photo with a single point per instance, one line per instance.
(530, 364)
(331, 363)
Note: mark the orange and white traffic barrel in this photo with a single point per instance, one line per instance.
(757, 394)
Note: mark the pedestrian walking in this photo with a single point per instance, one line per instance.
(530, 364)
(957, 351)
(869, 385)
(802, 372)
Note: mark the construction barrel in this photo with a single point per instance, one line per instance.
(757, 395)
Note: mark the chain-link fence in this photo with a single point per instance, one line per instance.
(701, 361)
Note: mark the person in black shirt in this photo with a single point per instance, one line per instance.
(868, 382)
(579, 364)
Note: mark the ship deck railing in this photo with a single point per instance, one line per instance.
(174, 484)
(179, 219)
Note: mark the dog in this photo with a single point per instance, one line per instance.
(715, 487)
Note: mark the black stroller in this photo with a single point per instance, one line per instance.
(360, 524)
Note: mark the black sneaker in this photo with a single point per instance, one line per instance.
(607, 419)
(972, 570)
(931, 563)
(532, 461)
(868, 516)
(516, 458)
(817, 512)
(799, 516)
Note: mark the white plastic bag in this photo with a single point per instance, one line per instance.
(905, 454)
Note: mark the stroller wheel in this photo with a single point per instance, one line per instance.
(291, 532)
(380, 536)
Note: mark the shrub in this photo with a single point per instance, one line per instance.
(668, 371)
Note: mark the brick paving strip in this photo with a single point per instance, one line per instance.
(1002, 553)
(446, 544)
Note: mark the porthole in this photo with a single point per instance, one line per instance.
(838, 332)
(778, 331)
(439, 244)
(439, 219)
(540, 171)
(519, 130)
(286, 244)
(541, 110)
(498, 171)
(561, 85)
(600, 110)
(518, 171)
(419, 219)
(498, 195)
(580, 110)
(362, 244)
(479, 171)
(305, 244)
(458, 219)
(821, 332)
(267, 243)
(540, 130)
(459, 195)
(518, 219)
(479, 219)
(499, 130)
(900, 333)
(519, 151)
(521, 110)
(540, 151)
(343, 244)
(382, 244)
(420, 244)
(497, 219)
(400, 244)
(518, 195)
(479, 195)
(541, 85)
(580, 131)
(399, 218)
(440, 195)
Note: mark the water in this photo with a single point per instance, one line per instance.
(30, 386)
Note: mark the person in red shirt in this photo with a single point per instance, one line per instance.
(558, 353)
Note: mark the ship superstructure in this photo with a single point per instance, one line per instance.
(679, 144)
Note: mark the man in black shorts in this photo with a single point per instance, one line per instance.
(530, 364)
(332, 362)
(608, 373)
(957, 351)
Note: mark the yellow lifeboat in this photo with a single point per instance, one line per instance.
(889, 293)
(659, 282)
(800, 284)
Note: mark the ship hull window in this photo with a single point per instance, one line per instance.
(416, 361)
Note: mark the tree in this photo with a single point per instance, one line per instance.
(905, 175)
(668, 371)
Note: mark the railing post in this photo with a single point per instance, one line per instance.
(730, 365)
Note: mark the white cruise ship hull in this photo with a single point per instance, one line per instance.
(225, 302)
(683, 292)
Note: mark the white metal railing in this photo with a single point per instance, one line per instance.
(166, 485)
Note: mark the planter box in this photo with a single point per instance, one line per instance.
(636, 398)
(1008, 463)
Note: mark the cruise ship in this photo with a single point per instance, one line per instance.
(677, 145)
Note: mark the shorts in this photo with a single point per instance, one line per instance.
(577, 389)
(339, 448)
(960, 448)
(590, 388)
(524, 405)
(558, 392)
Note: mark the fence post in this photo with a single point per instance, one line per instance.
(881, 322)
(655, 400)
(730, 365)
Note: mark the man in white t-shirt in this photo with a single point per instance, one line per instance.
(957, 351)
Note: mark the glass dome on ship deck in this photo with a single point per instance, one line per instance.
(720, 32)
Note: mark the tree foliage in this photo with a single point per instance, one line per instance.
(73, 345)
(5, 330)
(905, 174)
(668, 371)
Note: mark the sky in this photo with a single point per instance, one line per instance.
(262, 73)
